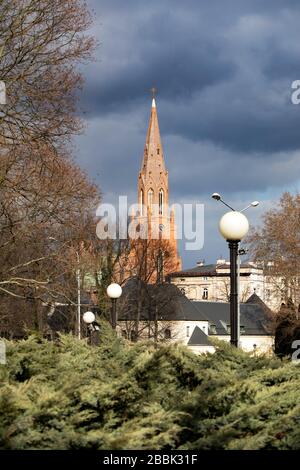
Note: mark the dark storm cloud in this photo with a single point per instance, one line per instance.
(223, 70)
(228, 69)
(162, 49)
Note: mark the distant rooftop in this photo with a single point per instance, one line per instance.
(210, 270)
(199, 338)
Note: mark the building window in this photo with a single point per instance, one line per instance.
(167, 333)
(212, 329)
(192, 293)
(187, 331)
(133, 336)
(150, 198)
(161, 201)
(157, 151)
(242, 330)
(228, 329)
(142, 202)
(182, 290)
(205, 279)
(268, 294)
(205, 293)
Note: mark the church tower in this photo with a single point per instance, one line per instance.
(153, 191)
(153, 187)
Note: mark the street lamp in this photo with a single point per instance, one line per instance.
(93, 327)
(114, 291)
(233, 227)
(89, 318)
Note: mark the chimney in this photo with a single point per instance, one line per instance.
(221, 261)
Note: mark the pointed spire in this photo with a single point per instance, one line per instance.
(153, 153)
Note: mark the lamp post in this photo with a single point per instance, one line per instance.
(114, 291)
(78, 295)
(241, 252)
(78, 276)
(93, 328)
(233, 227)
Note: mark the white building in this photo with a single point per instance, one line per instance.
(195, 323)
(212, 283)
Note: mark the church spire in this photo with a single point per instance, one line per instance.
(153, 185)
(153, 152)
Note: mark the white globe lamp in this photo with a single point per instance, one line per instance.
(114, 291)
(233, 226)
(89, 317)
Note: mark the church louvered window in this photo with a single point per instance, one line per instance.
(150, 198)
(161, 201)
(142, 202)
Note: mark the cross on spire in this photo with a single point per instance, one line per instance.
(153, 91)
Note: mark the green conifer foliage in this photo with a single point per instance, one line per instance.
(68, 395)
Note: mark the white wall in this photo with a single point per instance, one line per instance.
(218, 287)
(263, 343)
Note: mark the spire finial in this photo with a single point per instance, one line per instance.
(153, 91)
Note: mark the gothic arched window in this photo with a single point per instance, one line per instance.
(150, 198)
(161, 201)
(142, 202)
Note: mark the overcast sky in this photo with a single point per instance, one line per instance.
(223, 70)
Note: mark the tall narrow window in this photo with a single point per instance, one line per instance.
(205, 293)
(142, 202)
(188, 331)
(167, 333)
(161, 201)
(150, 198)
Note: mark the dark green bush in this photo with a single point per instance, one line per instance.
(68, 395)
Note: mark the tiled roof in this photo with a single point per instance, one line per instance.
(199, 338)
(207, 270)
(175, 306)
(171, 302)
(253, 317)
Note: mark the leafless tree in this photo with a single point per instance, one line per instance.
(46, 201)
(276, 245)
